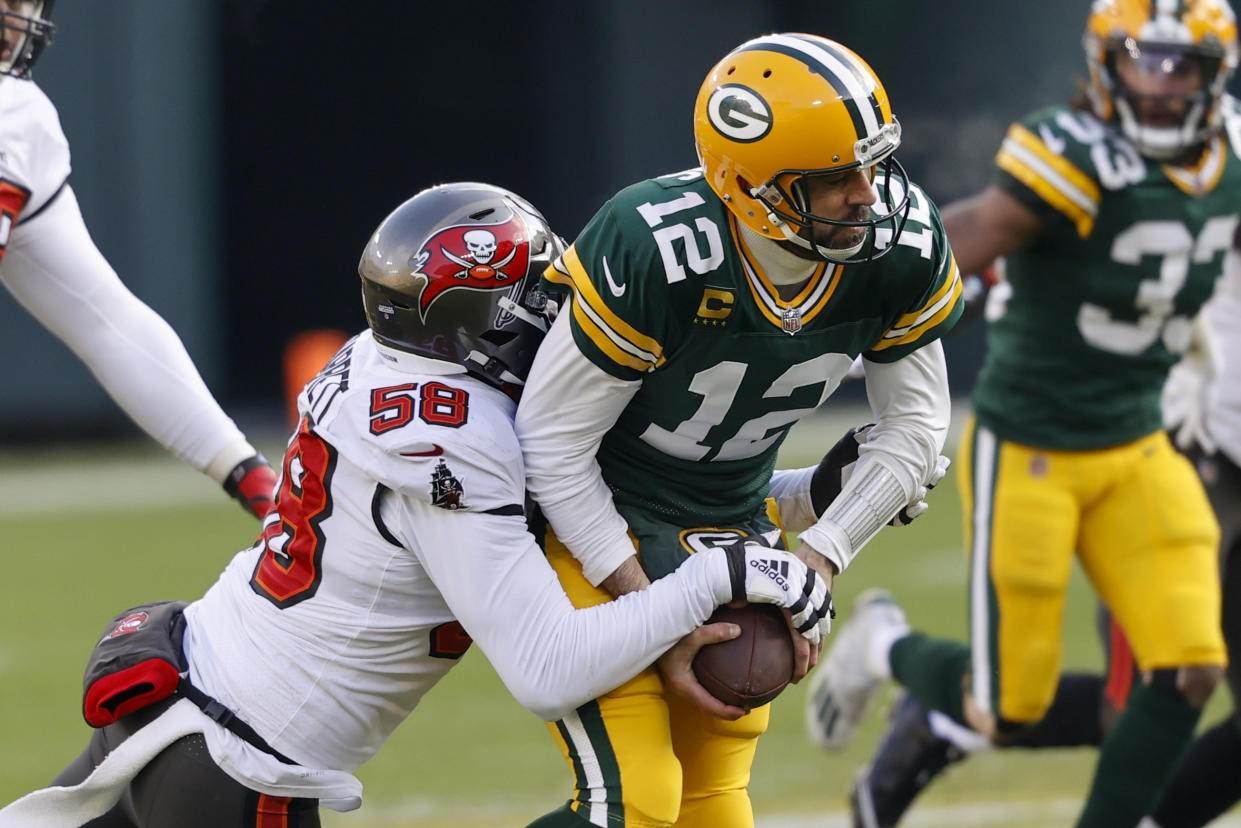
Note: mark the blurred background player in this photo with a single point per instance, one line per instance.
(1202, 410)
(1113, 216)
(51, 266)
(399, 534)
(711, 310)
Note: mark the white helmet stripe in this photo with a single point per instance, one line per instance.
(1168, 7)
(843, 72)
(843, 55)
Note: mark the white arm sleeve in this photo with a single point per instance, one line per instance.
(790, 488)
(552, 657)
(55, 271)
(567, 406)
(912, 407)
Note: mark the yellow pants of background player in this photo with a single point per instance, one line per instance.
(1138, 520)
(642, 758)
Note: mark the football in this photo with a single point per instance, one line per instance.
(751, 669)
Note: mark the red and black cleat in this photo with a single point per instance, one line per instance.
(252, 483)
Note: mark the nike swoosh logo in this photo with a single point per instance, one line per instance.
(435, 452)
(617, 290)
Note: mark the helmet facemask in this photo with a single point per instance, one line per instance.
(787, 197)
(1159, 71)
(24, 31)
(1165, 125)
(502, 354)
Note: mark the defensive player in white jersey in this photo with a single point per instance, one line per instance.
(399, 534)
(51, 266)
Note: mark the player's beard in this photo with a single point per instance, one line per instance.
(836, 237)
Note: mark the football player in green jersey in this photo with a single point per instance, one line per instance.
(710, 311)
(1113, 219)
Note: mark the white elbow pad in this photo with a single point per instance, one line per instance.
(873, 495)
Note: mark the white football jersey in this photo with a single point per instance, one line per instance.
(399, 525)
(34, 154)
(53, 269)
(1223, 414)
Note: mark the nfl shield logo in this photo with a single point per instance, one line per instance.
(790, 320)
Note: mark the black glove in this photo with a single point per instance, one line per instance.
(835, 467)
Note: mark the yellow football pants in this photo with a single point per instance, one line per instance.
(1137, 519)
(642, 758)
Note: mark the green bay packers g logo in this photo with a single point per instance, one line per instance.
(739, 113)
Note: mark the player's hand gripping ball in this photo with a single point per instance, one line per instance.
(752, 669)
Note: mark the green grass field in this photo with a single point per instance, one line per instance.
(85, 533)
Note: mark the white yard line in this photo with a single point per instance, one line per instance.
(65, 479)
(96, 485)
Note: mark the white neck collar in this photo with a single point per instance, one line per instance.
(781, 266)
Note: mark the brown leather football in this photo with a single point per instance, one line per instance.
(751, 669)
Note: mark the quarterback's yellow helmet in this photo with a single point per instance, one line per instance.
(1161, 39)
(783, 107)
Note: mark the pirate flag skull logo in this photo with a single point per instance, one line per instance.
(470, 257)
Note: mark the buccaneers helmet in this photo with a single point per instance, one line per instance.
(453, 274)
(31, 20)
(782, 108)
(1163, 39)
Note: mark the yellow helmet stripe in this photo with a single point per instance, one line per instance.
(609, 332)
(852, 82)
(931, 314)
(1063, 186)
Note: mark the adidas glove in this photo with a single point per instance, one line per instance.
(763, 575)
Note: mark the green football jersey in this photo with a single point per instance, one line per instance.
(1089, 319)
(664, 291)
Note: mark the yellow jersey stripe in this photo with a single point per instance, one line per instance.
(1055, 180)
(605, 320)
(837, 269)
(762, 306)
(934, 316)
(1078, 181)
(1201, 178)
(589, 325)
(916, 316)
(767, 296)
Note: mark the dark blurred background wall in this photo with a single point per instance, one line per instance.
(232, 157)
